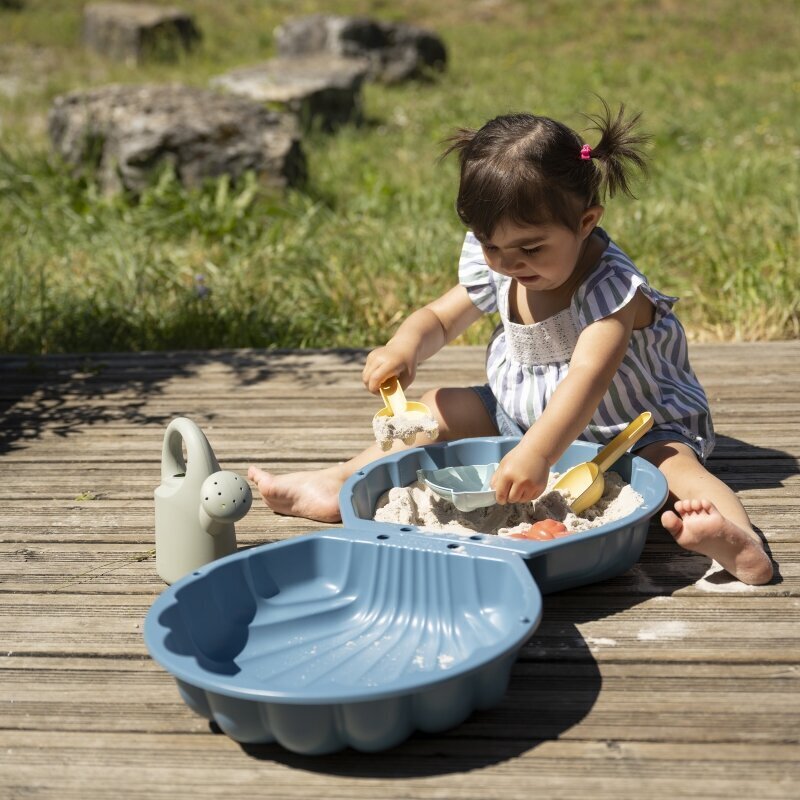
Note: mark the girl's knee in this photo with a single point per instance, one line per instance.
(459, 412)
(430, 398)
(443, 401)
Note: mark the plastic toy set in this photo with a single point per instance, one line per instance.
(357, 636)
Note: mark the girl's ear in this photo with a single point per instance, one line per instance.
(590, 220)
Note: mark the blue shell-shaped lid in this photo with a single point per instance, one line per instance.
(466, 487)
(342, 616)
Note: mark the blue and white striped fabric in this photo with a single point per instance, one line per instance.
(654, 376)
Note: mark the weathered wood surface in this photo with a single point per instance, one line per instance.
(659, 683)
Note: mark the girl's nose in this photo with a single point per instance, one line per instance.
(509, 262)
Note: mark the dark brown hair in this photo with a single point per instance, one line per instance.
(528, 169)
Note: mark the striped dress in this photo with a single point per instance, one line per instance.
(525, 363)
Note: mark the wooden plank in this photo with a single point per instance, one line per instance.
(95, 765)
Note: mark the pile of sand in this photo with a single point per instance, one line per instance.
(418, 505)
(404, 426)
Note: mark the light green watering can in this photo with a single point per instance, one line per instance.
(196, 504)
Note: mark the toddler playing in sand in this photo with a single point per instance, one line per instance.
(585, 342)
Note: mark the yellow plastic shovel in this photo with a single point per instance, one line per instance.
(397, 405)
(584, 482)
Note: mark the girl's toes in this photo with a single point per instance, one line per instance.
(672, 522)
(682, 507)
(260, 478)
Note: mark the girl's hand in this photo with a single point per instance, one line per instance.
(521, 476)
(391, 359)
(422, 334)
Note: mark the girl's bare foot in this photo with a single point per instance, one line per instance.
(697, 525)
(314, 495)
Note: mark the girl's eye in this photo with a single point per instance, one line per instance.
(529, 251)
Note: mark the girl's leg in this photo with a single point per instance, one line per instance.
(708, 517)
(315, 494)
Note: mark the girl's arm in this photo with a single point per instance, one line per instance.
(523, 473)
(421, 335)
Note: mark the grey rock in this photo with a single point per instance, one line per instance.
(10, 85)
(26, 68)
(123, 134)
(325, 90)
(139, 32)
(395, 51)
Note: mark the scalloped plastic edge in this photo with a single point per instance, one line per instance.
(367, 726)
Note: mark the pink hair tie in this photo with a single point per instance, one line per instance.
(586, 152)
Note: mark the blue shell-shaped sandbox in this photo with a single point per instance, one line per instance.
(559, 564)
(342, 637)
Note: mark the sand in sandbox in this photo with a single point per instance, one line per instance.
(417, 505)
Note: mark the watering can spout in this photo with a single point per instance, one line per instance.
(196, 503)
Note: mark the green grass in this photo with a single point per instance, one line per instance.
(374, 234)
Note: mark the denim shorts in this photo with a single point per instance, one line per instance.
(506, 426)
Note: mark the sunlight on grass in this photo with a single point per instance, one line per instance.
(374, 234)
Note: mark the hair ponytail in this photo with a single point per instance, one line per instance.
(534, 170)
(458, 142)
(619, 149)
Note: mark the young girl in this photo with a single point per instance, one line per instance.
(584, 346)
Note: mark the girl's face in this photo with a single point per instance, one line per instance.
(540, 257)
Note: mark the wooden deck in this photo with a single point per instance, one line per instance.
(659, 683)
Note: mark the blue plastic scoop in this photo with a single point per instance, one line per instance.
(467, 488)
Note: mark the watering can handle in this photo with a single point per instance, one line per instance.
(199, 453)
(623, 441)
